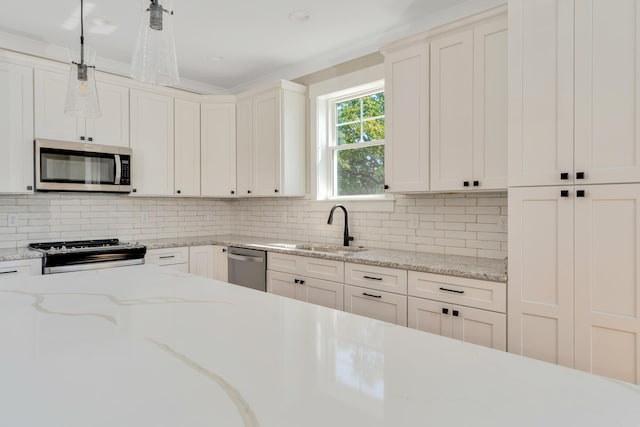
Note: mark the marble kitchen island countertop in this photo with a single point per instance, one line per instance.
(494, 270)
(146, 346)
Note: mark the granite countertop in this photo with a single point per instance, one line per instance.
(494, 270)
(18, 254)
(150, 346)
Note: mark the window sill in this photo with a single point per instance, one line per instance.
(369, 204)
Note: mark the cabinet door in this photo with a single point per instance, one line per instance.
(480, 327)
(202, 261)
(23, 267)
(383, 306)
(16, 128)
(540, 290)
(490, 105)
(266, 143)
(321, 292)
(283, 284)
(452, 111)
(407, 111)
(430, 316)
(152, 143)
(221, 263)
(244, 151)
(607, 285)
(540, 91)
(112, 128)
(187, 148)
(218, 150)
(607, 98)
(51, 122)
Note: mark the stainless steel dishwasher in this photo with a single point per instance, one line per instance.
(248, 268)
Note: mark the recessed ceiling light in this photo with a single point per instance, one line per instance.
(300, 16)
(215, 58)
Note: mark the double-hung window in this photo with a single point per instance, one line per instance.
(356, 143)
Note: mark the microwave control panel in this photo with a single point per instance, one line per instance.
(125, 170)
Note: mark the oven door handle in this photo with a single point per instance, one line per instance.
(118, 169)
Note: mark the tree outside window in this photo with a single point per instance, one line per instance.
(358, 145)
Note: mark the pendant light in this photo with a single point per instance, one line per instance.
(82, 95)
(154, 56)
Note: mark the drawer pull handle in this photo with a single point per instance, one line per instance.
(167, 257)
(8, 272)
(373, 278)
(371, 295)
(452, 290)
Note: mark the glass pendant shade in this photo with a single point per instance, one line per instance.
(154, 56)
(82, 94)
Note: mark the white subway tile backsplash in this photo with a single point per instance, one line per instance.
(461, 224)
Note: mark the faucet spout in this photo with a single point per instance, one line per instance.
(346, 237)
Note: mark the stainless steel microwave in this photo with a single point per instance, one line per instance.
(73, 166)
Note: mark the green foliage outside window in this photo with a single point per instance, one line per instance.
(360, 170)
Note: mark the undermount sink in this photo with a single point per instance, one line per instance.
(338, 250)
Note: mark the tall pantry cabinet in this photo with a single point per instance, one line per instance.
(574, 169)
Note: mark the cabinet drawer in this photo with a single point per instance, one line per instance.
(457, 290)
(379, 278)
(318, 268)
(378, 305)
(23, 267)
(168, 256)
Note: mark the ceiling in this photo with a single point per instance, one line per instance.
(229, 45)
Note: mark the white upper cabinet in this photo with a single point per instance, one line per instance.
(187, 148)
(16, 128)
(407, 119)
(559, 45)
(607, 97)
(51, 122)
(469, 108)
(152, 142)
(218, 147)
(271, 142)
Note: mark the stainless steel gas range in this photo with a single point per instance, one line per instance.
(62, 257)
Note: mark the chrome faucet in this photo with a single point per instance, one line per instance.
(347, 238)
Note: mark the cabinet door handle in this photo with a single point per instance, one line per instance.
(296, 281)
(224, 250)
(82, 138)
(233, 192)
(90, 139)
(476, 183)
(452, 291)
(371, 295)
(276, 190)
(564, 193)
(373, 278)
(386, 187)
(29, 187)
(178, 191)
(580, 193)
(466, 183)
(8, 272)
(445, 311)
(564, 176)
(579, 175)
(167, 257)
(302, 282)
(455, 313)
(248, 191)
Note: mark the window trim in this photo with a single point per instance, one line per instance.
(331, 147)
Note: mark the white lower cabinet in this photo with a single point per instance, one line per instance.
(466, 309)
(209, 261)
(315, 291)
(377, 292)
(22, 267)
(379, 305)
(177, 258)
(315, 280)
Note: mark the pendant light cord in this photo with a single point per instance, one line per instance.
(81, 31)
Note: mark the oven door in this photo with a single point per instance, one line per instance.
(69, 166)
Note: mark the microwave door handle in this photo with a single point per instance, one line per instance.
(118, 169)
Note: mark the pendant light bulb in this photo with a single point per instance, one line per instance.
(82, 94)
(154, 56)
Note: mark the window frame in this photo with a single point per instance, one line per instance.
(332, 148)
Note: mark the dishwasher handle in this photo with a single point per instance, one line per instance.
(245, 258)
